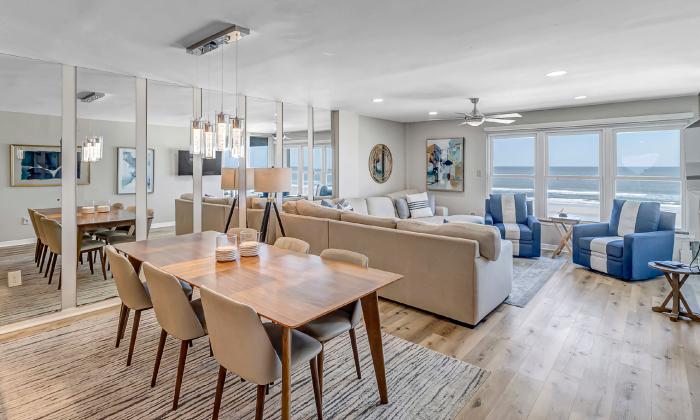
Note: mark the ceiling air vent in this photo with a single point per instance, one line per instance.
(88, 97)
(696, 123)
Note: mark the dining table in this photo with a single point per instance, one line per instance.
(285, 287)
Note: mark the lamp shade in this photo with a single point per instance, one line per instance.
(272, 180)
(230, 179)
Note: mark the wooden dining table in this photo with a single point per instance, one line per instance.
(288, 288)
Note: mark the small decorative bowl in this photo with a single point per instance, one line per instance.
(87, 209)
(103, 209)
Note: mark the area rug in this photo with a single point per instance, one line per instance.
(529, 275)
(76, 372)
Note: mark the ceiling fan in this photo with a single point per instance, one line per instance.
(475, 118)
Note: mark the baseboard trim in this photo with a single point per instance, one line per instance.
(162, 225)
(7, 331)
(16, 242)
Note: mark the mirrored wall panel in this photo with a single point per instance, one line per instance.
(106, 196)
(169, 162)
(323, 154)
(296, 147)
(30, 187)
(261, 125)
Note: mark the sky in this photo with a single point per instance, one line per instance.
(641, 148)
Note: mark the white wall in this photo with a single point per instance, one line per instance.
(21, 128)
(357, 135)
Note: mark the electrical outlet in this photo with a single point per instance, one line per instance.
(25, 220)
(478, 173)
(14, 278)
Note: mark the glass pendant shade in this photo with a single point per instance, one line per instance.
(196, 137)
(236, 137)
(221, 131)
(209, 141)
(92, 149)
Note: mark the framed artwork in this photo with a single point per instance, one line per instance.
(126, 170)
(380, 163)
(40, 166)
(444, 160)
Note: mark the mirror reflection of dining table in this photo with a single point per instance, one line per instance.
(287, 288)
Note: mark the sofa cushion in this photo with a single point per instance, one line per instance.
(308, 208)
(218, 200)
(634, 217)
(402, 193)
(358, 204)
(433, 220)
(380, 207)
(187, 196)
(402, 210)
(488, 237)
(607, 245)
(385, 222)
(508, 208)
(290, 206)
(515, 232)
(419, 206)
(465, 218)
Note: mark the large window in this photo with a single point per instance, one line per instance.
(513, 165)
(573, 174)
(581, 172)
(648, 168)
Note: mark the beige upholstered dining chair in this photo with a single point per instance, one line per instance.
(176, 315)
(103, 233)
(52, 233)
(121, 236)
(253, 350)
(292, 244)
(238, 230)
(342, 320)
(39, 245)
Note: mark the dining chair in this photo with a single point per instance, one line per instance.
(340, 321)
(292, 244)
(121, 236)
(177, 316)
(52, 233)
(39, 244)
(252, 350)
(103, 233)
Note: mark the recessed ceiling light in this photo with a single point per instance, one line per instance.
(578, 98)
(377, 100)
(432, 113)
(556, 73)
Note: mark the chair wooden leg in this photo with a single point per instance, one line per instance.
(43, 258)
(120, 325)
(180, 370)
(219, 392)
(319, 360)
(53, 267)
(60, 277)
(260, 403)
(36, 250)
(159, 355)
(126, 321)
(318, 398)
(353, 343)
(48, 265)
(92, 265)
(134, 330)
(80, 258)
(102, 263)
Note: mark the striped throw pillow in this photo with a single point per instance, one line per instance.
(418, 205)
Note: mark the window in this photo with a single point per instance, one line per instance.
(648, 167)
(513, 165)
(259, 151)
(573, 174)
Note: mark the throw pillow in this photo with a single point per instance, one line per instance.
(343, 204)
(419, 205)
(402, 208)
(327, 203)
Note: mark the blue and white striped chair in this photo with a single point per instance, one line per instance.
(638, 232)
(512, 215)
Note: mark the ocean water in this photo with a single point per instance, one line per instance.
(582, 197)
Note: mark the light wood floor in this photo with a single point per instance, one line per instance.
(587, 346)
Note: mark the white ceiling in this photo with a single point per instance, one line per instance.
(419, 56)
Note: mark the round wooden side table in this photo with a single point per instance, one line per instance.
(676, 278)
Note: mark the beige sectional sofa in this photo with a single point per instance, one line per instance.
(462, 271)
(214, 213)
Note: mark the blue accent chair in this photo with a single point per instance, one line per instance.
(638, 232)
(512, 215)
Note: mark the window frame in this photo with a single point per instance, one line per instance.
(491, 176)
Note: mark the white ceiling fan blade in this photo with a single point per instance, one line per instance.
(512, 115)
(462, 123)
(499, 120)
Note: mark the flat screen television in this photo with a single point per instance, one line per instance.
(209, 166)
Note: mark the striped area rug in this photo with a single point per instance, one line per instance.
(75, 372)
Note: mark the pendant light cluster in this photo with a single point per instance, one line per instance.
(225, 133)
(92, 149)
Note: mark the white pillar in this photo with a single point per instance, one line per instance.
(242, 162)
(197, 168)
(141, 158)
(69, 295)
(310, 145)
